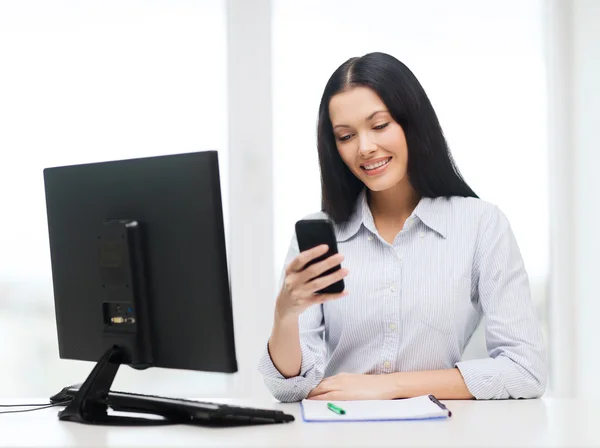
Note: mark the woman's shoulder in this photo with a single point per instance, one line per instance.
(475, 206)
(464, 212)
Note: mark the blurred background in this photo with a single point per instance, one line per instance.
(513, 84)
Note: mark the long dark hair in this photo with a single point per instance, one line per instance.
(431, 169)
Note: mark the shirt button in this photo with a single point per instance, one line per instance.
(386, 364)
(370, 238)
(422, 234)
(392, 327)
(392, 288)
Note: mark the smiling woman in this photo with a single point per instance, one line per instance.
(369, 119)
(363, 138)
(424, 260)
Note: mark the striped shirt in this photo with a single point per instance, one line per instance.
(413, 305)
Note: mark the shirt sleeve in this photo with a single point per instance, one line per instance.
(312, 326)
(517, 366)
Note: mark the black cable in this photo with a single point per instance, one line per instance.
(39, 407)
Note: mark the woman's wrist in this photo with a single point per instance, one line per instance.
(285, 319)
(396, 386)
(446, 384)
(284, 314)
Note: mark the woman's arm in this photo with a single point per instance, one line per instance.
(284, 345)
(516, 366)
(445, 384)
(294, 360)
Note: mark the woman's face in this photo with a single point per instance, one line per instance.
(369, 141)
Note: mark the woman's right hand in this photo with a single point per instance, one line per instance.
(300, 284)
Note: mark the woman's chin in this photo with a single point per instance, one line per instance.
(379, 184)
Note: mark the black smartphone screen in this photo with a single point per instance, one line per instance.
(314, 232)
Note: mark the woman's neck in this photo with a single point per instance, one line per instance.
(394, 204)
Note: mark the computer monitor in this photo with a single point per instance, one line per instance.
(139, 268)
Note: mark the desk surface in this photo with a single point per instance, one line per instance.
(545, 422)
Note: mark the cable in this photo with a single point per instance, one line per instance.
(22, 405)
(28, 410)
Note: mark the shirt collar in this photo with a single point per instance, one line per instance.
(431, 211)
(361, 211)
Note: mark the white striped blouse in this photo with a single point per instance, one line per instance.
(413, 305)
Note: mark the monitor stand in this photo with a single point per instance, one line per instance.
(90, 404)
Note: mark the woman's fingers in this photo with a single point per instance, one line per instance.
(323, 282)
(306, 257)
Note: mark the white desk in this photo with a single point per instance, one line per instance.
(546, 422)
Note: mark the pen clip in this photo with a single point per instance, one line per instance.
(441, 405)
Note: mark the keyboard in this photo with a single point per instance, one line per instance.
(186, 411)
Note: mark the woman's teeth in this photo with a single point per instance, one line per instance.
(377, 165)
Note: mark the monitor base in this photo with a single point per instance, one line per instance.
(90, 405)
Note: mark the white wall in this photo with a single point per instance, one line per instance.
(586, 199)
(573, 51)
(562, 325)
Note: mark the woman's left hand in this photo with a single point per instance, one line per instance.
(354, 386)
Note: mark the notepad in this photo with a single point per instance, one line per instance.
(418, 408)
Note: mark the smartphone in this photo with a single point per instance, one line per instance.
(314, 232)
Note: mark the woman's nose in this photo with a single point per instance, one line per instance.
(366, 146)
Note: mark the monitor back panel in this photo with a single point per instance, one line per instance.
(177, 200)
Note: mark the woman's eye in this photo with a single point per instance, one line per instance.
(344, 138)
(381, 126)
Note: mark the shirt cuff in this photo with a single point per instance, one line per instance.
(483, 378)
(291, 389)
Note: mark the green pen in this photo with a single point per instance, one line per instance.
(336, 409)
